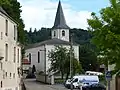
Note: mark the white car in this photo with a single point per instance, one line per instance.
(81, 80)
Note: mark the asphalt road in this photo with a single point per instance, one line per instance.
(31, 84)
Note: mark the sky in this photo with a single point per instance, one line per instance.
(41, 13)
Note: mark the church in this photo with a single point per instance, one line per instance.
(37, 54)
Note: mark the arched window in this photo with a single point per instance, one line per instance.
(63, 33)
(54, 33)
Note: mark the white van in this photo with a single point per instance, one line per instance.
(93, 73)
(82, 80)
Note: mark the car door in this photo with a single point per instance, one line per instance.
(75, 82)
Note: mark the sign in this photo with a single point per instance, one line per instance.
(108, 76)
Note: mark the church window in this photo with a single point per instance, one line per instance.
(38, 57)
(63, 33)
(54, 33)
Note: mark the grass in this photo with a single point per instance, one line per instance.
(59, 81)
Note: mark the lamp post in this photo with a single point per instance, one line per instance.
(44, 61)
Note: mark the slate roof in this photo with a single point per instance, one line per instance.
(60, 22)
(53, 41)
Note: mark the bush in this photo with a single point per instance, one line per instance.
(59, 81)
(102, 79)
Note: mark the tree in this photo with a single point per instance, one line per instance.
(80, 36)
(60, 61)
(2, 2)
(88, 58)
(106, 31)
(58, 58)
(76, 67)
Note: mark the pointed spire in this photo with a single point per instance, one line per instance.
(60, 22)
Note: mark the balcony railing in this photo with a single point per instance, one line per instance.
(1, 54)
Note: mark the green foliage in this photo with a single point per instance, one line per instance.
(3, 2)
(37, 35)
(60, 61)
(106, 31)
(59, 81)
(88, 58)
(34, 36)
(102, 79)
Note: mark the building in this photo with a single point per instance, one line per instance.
(38, 53)
(115, 81)
(10, 53)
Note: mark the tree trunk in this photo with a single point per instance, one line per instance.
(67, 76)
(62, 75)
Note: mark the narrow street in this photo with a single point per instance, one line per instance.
(31, 84)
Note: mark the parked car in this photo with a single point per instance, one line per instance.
(81, 80)
(95, 86)
(93, 73)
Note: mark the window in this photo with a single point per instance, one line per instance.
(63, 33)
(10, 74)
(1, 35)
(14, 54)
(18, 55)
(54, 33)
(1, 65)
(6, 23)
(1, 84)
(14, 32)
(75, 80)
(6, 74)
(38, 57)
(30, 57)
(6, 52)
(13, 75)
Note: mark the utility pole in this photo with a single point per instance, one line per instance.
(44, 61)
(71, 56)
(71, 42)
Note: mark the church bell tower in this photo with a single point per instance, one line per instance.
(60, 30)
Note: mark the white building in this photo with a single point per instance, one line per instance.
(10, 53)
(38, 53)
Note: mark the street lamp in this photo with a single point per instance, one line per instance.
(44, 61)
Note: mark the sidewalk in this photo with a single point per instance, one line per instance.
(58, 87)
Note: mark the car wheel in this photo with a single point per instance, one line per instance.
(72, 87)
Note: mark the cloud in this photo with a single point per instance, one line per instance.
(41, 13)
